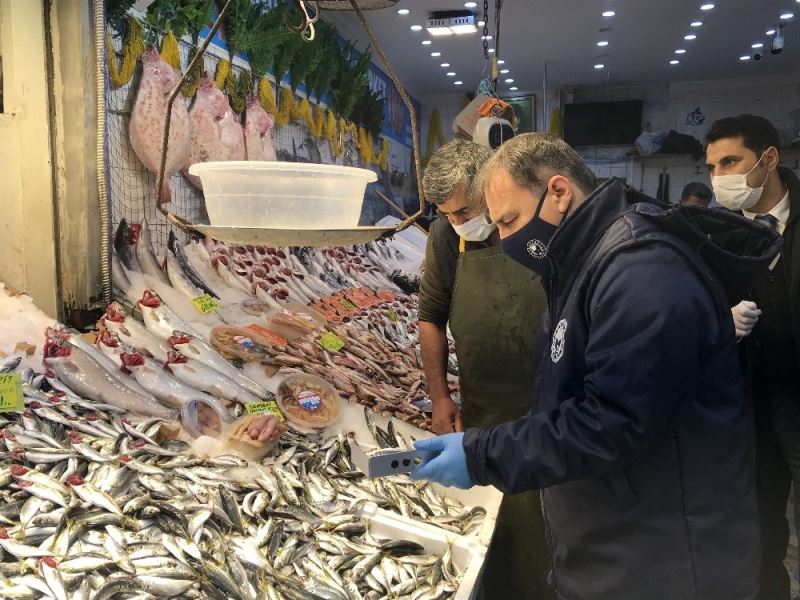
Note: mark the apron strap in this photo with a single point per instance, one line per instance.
(462, 245)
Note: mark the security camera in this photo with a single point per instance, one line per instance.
(757, 56)
(777, 42)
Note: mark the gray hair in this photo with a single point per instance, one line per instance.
(452, 167)
(531, 159)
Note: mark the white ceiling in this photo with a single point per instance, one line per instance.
(642, 36)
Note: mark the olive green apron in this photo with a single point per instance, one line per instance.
(495, 315)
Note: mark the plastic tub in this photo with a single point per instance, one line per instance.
(308, 402)
(282, 195)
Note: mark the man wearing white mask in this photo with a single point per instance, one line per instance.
(743, 161)
(494, 309)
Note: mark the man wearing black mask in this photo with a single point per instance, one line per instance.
(640, 436)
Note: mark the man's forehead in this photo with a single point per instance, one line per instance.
(733, 146)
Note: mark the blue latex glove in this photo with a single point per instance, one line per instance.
(446, 462)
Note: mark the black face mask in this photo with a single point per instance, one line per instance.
(528, 246)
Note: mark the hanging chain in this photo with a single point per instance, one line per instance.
(486, 29)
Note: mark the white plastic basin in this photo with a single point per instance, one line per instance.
(282, 195)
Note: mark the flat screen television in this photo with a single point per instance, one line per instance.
(602, 123)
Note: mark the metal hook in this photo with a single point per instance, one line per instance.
(306, 27)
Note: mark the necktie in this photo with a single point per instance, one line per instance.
(769, 220)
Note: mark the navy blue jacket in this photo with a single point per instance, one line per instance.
(640, 436)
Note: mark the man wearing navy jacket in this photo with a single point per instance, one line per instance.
(640, 437)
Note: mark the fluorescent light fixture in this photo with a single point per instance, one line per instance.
(674, 62)
(451, 73)
(770, 32)
(486, 37)
(491, 50)
(426, 42)
(436, 54)
(403, 11)
(481, 23)
(500, 61)
(680, 51)
(690, 37)
(509, 80)
(744, 57)
(696, 23)
(458, 82)
(757, 45)
(504, 71)
(602, 44)
(599, 66)
(449, 22)
(609, 13)
(470, 4)
(786, 16)
(416, 28)
(444, 65)
(513, 88)
(707, 6)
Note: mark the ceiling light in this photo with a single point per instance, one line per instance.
(509, 80)
(602, 43)
(690, 37)
(609, 13)
(444, 65)
(458, 82)
(486, 37)
(744, 57)
(451, 73)
(403, 11)
(491, 50)
(674, 62)
(504, 71)
(708, 6)
(436, 54)
(696, 23)
(680, 51)
(481, 23)
(771, 32)
(501, 61)
(426, 42)
(757, 45)
(599, 66)
(470, 4)
(448, 22)
(787, 16)
(513, 88)
(416, 28)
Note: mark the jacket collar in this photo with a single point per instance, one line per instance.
(792, 184)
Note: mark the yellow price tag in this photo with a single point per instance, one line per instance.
(11, 398)
(347, 304)
(330, 341)
(393, 315)
(205, 304)
(262, 408)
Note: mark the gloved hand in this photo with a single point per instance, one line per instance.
(745, 317)
(447, 463)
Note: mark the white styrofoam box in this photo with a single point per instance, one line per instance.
(351, 419)
(469, 556)
(282, 195)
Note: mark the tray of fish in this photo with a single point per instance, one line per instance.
(94, 506)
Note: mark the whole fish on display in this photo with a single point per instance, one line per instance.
(146, 256)
(191, 273)
(125, 240)
(146, 128)
(258, 127)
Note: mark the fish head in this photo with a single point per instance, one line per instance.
(18, 471)
(131, 360)
(178, 339)
(75, 480)
(54, 349)
(161, 74)
(114, 313)
(174, 358)
(74, 438)
(4, 534)
(108, 338)
(149, 299)
(47, 561)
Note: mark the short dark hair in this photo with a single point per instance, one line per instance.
(700, 190)
(757, 133)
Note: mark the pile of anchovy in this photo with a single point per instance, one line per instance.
(93, 506)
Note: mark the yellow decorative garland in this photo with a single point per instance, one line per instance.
(132, 48)
(435, 134)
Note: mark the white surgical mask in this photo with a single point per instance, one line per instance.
(476, 229)
(733, 193)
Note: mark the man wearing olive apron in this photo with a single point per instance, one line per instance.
(494, 310)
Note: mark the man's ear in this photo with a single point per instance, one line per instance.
(772, 158)
(562, 193)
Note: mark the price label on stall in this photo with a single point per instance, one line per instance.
(269, 407)
(330, 341)
(11, 398)
(347, 304)
(205, 304)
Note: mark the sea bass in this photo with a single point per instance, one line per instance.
(258, 131)
(149, 114)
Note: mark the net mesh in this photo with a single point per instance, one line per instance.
(132, 188)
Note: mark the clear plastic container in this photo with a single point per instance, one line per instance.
(282, 195)
(307, 401)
